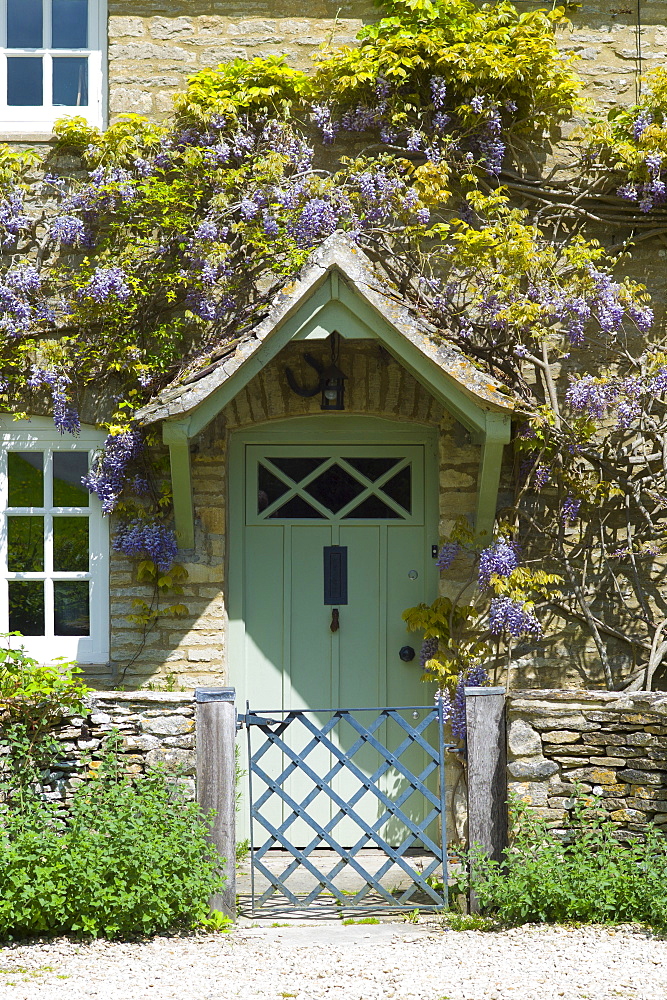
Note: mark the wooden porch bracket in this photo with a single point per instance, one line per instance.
(176, 435)
(493, 440)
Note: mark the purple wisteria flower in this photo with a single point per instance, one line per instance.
(106, 283)
(477, 103)
(428, 650)
(108, 477)
(148, 541)
(610, 310)
(570, 510)
(442, 695)
(587, 395)
(499, 559)
(643, 120)
(317, 219)
(206, 230)
(541, 477)
(65, 417)
(515, 617)
(13, 220)
(69, 231)
(447, 554)
(322, 117)
(438, 91)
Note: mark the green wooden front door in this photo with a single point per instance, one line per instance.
(298, 500)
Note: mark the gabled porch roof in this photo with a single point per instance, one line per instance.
(338, 291)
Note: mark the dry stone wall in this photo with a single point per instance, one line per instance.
(611, 744)
(154, 728)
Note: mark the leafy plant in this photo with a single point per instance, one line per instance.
(34, 699)
(131, 859)
(588, 876)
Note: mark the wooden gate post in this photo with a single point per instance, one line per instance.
(487, 772)
(216, 781)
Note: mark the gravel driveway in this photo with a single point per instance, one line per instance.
(358, 962)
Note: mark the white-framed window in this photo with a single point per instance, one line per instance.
(54, 543)
(52, 55)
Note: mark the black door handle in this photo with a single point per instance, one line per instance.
(407, 653)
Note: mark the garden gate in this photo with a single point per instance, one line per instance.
(371, 831)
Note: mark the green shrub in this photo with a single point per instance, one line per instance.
(590, 876)
(34, 700)
(130, 859)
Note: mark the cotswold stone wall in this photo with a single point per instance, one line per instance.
(611, 744)
(154, 45)
(155, 728)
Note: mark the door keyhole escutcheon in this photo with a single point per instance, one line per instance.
(335, 620)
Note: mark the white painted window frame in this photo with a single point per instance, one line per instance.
(22, 119)
(39, 434)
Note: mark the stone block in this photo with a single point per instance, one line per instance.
(532, 768)
(100, 718)
(627, 739)
(142, 742)
(132, 27)
(522, 739)
(182, 742)
(533, 793)
(452, 479)
(561, 736)
(634, 777)
(173, 759)
(628, 816)
(147, 52)
(171, 27)
(564, 722)
(170, 725)
(596, 775)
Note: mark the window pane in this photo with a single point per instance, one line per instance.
(24, 24)
(71, 607)
(26, 478)
(399, 488)
(296, 507)
(335, 488)
(70, 544)
(69, 24)
(24, 82)
(269, 488)
(375, 508)
(26, 607)
(373, 468)
(297, 468)
(25, 544)
(69, 468)
(70, 82)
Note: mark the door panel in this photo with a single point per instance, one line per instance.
(308, 679)
(265, 631)
(299, 499)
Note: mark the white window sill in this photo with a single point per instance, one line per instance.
(25, 136)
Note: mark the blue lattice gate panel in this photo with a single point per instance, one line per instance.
(348, 804)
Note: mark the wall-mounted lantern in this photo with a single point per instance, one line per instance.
(333, 388)
(331, 379)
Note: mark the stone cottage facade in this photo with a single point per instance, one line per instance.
(240, 429)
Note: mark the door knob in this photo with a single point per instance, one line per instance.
(407, 653)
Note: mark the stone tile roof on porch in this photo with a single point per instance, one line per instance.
(337, 254)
